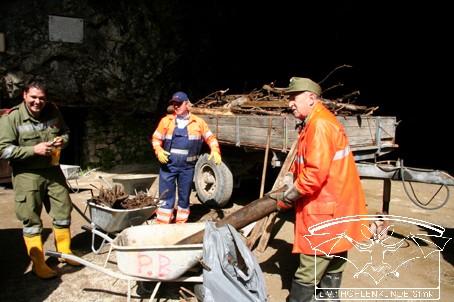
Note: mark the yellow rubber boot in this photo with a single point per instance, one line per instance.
(63, 243)
(35, 251)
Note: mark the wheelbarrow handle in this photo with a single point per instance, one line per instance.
(99, 268)
(65, 256)
(99, 233)
(53, 254)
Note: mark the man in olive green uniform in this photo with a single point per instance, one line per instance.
(29, 133)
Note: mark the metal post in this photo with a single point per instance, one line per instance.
(386, 195)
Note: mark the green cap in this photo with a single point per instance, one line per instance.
(303, 84)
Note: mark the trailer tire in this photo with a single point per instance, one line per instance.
(213, 183)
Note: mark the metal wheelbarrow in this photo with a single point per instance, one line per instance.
(112, 221)
(149, 253)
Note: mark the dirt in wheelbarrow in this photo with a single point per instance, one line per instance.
(277, 262)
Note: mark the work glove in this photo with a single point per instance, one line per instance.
(216, 157)
(163, 156)
(286, 199)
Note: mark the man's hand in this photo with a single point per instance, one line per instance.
(43, 149)
(282, 205)
(57, 141)
(163, 156)
(216, 157)
(286, 199)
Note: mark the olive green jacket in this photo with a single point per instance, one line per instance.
(20, 131)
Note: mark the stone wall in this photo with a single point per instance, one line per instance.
(113, 139)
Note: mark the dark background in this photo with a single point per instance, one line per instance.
(400, 53)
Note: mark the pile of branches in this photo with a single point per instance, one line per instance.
(271, 100)
(116, 198)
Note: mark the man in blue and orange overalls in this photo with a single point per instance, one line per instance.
(177, 143)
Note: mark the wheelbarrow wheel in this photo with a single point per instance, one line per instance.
(213, 183)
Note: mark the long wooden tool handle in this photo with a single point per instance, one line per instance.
(253, 211)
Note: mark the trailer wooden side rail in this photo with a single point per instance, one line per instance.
(369, 136)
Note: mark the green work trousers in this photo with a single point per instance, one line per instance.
(311, 269)
(42, 187)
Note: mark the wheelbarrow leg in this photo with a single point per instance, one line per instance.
(108, 256)
(94, 232)
(155, 291)
(93, 238)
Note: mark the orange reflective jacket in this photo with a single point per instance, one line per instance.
(198, 132)
(327, 177)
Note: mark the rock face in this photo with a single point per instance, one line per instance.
(109, 140)
(128, 50)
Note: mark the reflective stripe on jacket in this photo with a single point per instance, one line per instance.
(327, 177)
(198, 132)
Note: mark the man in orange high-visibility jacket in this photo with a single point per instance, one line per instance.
(325, 186)
(177, 143)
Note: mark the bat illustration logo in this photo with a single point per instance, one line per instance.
(380, 244)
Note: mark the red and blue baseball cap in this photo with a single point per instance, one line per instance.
(179, 97)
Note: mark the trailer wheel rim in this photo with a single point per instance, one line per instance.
(207, 181)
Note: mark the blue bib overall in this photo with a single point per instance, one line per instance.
(178, 172)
